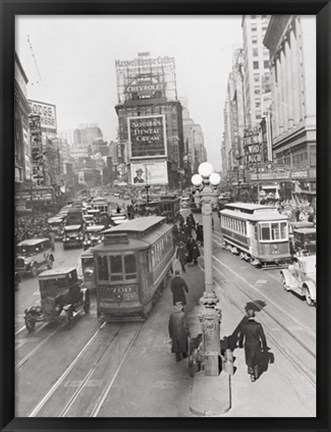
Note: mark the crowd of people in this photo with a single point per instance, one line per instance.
(297, 211)
(31, 226)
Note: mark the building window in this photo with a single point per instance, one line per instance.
(257, 90)
(255, 52)
(258, 116)
(253, 17)
(256, 77)
(254, 28)
(255, 64)
(264, 28)
(266, 64)
(254, 40)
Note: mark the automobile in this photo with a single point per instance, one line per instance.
(185, 202)
(72, 236)
(87, 268)
(93, 235)
(118, 218)
(300, 277)
(31, 254)
(304, 240)
(116, 194)
(56, 226)
(61, 294)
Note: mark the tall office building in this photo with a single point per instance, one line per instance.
(256, 67)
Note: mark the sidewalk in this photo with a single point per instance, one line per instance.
(279, 392)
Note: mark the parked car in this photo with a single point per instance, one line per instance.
(32, 254)
(300, 277)
(61, 294)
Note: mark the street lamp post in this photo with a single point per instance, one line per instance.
(210, 316)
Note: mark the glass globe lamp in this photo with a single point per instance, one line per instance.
(196, 180)
(205, 169)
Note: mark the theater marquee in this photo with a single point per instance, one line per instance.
(147, 137)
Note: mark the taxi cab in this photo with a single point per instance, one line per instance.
(32, 254)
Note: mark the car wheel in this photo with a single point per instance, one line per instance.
(284, 284)
(34, 270)
(309, 300)
(69, 319)
(49, 264)
(29, 323)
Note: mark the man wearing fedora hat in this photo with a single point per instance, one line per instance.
(178, 332)
(252, 336)
(178, 288)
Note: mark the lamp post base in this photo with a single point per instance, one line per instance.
(210, 318)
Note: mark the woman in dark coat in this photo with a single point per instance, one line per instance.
(252, 336)
(199, 231)
(189, 250)
(178, 332)
(195, 250)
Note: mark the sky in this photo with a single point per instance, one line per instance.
(75, 57)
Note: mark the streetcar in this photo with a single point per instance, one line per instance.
(257, 233)
(169, 206)
(132, 267)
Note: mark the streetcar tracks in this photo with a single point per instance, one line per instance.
(32, 352)
(81, 386)
(104, 395)
(308, 330)
(311, 377)
(52, 390)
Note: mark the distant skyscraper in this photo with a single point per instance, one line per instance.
(256, 66)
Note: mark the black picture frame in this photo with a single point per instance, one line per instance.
(9, 9)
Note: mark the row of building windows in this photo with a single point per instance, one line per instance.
(238, 226)
(256, 64)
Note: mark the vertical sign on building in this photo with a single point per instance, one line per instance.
(36, 150)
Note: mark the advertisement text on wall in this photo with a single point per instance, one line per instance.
(147, 136)
(47, 113)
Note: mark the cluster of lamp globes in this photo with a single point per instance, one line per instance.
(206, 175)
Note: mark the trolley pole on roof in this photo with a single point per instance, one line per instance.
(210, 315)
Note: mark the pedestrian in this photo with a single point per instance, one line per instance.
(194, 248)
(178, 288)
(175, 234)
(178, 332)
(181, 255)
(199, 231)
(297, 215)
(189, 248)
(252, 337)
(181, 220)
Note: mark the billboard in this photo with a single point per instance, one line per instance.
(147, 136)
(47, 113)
(149, 172)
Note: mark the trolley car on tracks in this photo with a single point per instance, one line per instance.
(257, 233)
(132, 267)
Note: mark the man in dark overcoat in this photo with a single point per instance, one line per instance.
(181, 255)
(178, 332)
(178, 288)
(252, 337)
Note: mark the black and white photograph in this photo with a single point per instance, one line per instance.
(165, 216)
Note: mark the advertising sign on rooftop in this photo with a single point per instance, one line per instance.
(47, 113)
(147, 136)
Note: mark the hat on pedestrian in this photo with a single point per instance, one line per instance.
(179, 305)
(250, 313)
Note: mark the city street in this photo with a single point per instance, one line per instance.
(98, 369)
